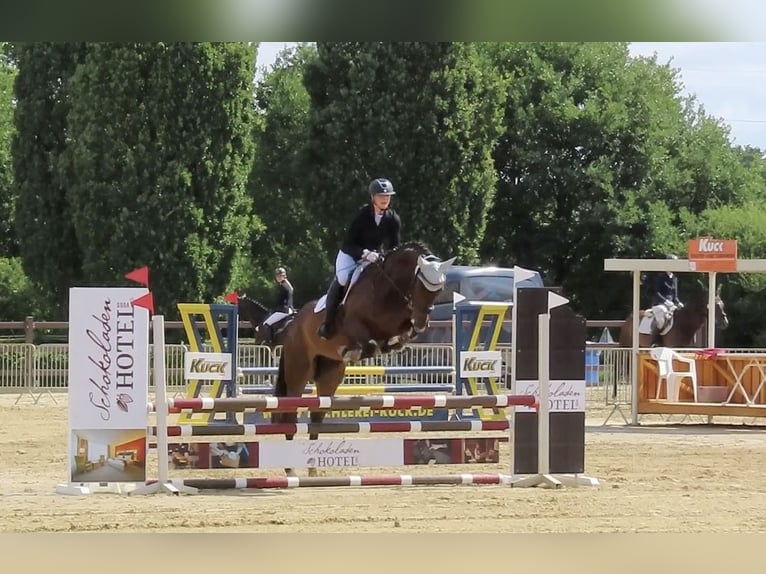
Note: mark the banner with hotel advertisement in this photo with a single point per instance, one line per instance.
(564, 396)
(108, 384)
(334, 453)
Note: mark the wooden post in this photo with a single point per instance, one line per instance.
(29, 330)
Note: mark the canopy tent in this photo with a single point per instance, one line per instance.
(638, 266)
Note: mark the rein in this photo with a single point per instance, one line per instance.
(406, 297)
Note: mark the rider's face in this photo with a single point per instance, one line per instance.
(381, 202)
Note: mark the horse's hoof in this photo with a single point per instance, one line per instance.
(290, 473)
(352, 356)
(312, 472)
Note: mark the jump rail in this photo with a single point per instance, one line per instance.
(354, 480)
(288, 404)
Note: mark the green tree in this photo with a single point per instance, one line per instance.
(19, 297)
(742, 293)
(278, 183)
(8, 242)
(43, 219)
(160, 147)
(599, 158)
(424, 115)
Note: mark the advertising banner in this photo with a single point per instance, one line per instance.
(480, 364)
(333, 453)
(108, 383)
(565, 396)
(208, 366)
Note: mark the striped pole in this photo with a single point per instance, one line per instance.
(354, 480)
(289, 404)
(361, 389)
(370, 370)
(332, 428)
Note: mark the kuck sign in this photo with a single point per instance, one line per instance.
(709, 254)
(207, 366)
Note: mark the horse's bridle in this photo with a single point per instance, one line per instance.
(407, 298)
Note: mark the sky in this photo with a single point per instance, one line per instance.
(727, 78)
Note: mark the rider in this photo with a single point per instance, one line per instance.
(375, 225)
(284, 298)
(283, 302)
(665, 298)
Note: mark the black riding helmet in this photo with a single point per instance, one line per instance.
(381, 186)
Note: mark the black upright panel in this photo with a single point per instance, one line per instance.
(567, 376)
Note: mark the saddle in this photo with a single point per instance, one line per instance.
(271, 332)
(648, 318)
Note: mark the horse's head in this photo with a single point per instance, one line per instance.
(431, 280)
(419, 278)
(252, 310)
(721, 319)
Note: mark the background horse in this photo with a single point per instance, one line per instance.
(686, 323)
(389, 305)
(256, 313)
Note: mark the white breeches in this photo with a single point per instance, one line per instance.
(344, 267)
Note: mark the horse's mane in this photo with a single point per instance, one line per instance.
(249, 299)
(412, 246)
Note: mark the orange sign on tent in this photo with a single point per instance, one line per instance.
(709, 254)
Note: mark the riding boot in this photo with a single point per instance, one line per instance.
(334, 296)
(267, 333)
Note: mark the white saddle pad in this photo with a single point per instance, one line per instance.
(645, 326)
(319, 305)
(274, 318)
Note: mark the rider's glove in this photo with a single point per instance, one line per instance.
(370, 256)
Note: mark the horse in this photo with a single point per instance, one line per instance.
(389, 305)
(256, 313)
(686, 322)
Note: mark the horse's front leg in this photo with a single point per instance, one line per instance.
(362, 346)
(395, 343)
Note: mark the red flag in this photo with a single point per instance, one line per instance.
(140, 275)
(145, 301)
(232, 297)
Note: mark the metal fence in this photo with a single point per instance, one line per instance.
(43, 369)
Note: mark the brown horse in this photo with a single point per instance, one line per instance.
(256, 313)
(389, 305)
(686, 322)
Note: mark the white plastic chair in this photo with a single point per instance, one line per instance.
(665, 357)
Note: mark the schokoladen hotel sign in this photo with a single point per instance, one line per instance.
(108, 359)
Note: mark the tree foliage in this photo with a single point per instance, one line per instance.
(743, 293)
(19, 297)
(553, 156)
(158, 155)
(47, 243)
(424, 115)
(599, 158)
(8, 241)
(278, 183)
